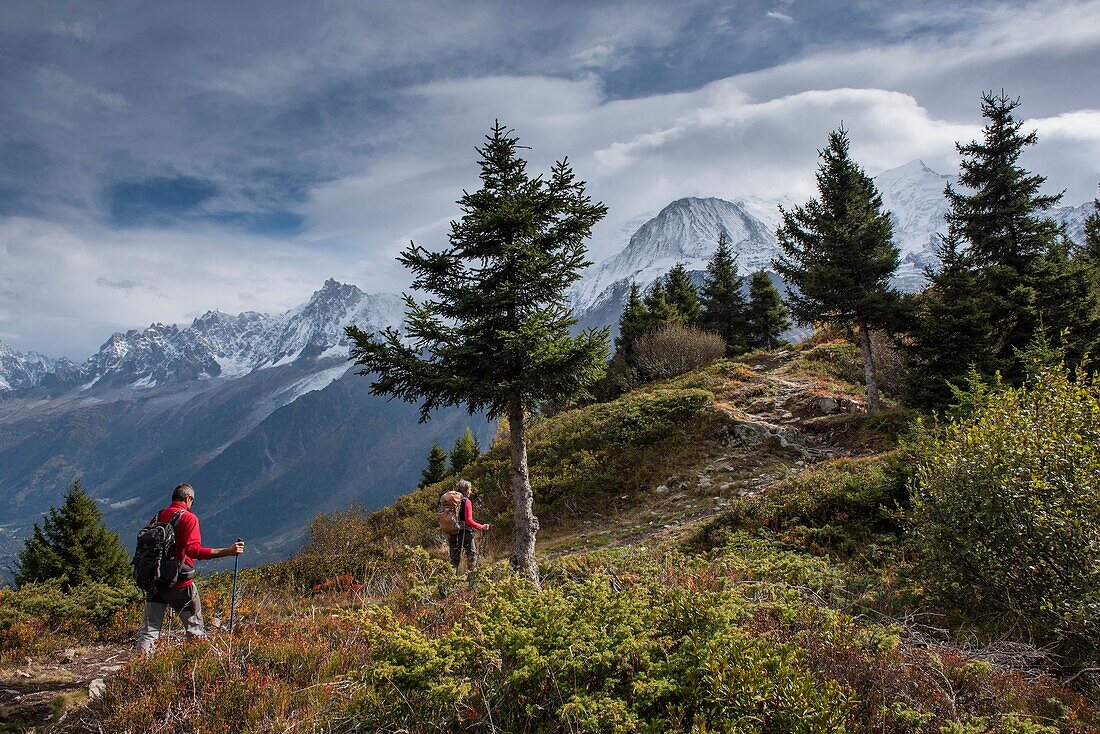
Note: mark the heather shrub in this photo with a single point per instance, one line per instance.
(623, 641)
(676, 349)
(1006, 510)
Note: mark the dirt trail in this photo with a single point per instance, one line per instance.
(42, 690)
(771, 433)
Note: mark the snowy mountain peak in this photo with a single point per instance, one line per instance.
(215, 344)
(686, 231)
(19, 370)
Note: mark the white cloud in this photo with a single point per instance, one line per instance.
(397, 177)
(781, 16)
(56, 280)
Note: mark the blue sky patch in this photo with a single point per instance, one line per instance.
(157, 201)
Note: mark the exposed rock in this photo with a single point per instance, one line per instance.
(826, 405)
(68, 655)
(97, 688)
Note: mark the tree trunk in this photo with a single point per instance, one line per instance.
(874, 404)
(525, 524)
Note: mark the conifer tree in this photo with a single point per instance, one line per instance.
(436, 470)
(682, 295)
(74, 546)
(1000, 218)
(951, 336)
(767, 316)
(493, 335)
(1091, 250)
(632, 324)
(838, 254)
(465, 450)
(722, 304)
(659, 311)
(1067, 300)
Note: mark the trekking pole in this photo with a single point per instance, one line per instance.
(233, 597)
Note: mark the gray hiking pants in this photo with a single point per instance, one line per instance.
(463, 540)
(185, 602)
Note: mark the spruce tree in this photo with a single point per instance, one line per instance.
(951, 336)
(838, 254)
(722, 304)
(494, 333)
(682, 295)
(436, 470)
(767, 316)
(999, 216)
(73, 545)
(632, 324)
(659, 311)
(465, 450)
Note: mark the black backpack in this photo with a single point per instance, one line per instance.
(155, 564)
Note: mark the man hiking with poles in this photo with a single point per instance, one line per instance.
(456, 520)
(164, 563)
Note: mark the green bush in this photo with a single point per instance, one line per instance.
(837, 508)
(39, 617)
(1006, 510)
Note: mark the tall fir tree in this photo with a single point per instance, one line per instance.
(1000, 218)
(465, 450)
(73, 545)
(682, 294)
(767, 316)
(722, 304)
(838, 254)
(436, 470)
(494, 333)
(951, 336)
(632, 324)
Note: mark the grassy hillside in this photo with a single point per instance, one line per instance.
(721, 552)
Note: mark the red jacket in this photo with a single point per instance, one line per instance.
(468, 515)
(189, 546)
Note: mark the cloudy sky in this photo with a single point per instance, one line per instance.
(160, 159)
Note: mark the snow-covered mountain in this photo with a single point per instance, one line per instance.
(686, 231)
(19, 370)
(214, 345)
(263, 413)
(1073, 217)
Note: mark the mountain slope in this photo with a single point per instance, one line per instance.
(257, 411)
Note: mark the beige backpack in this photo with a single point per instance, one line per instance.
(450, 505)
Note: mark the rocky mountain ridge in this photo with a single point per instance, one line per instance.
(214, 345)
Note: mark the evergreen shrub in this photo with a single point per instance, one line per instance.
(37, 618)
(1006, 509)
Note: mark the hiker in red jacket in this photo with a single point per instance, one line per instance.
(463, 540)
(183, 597)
